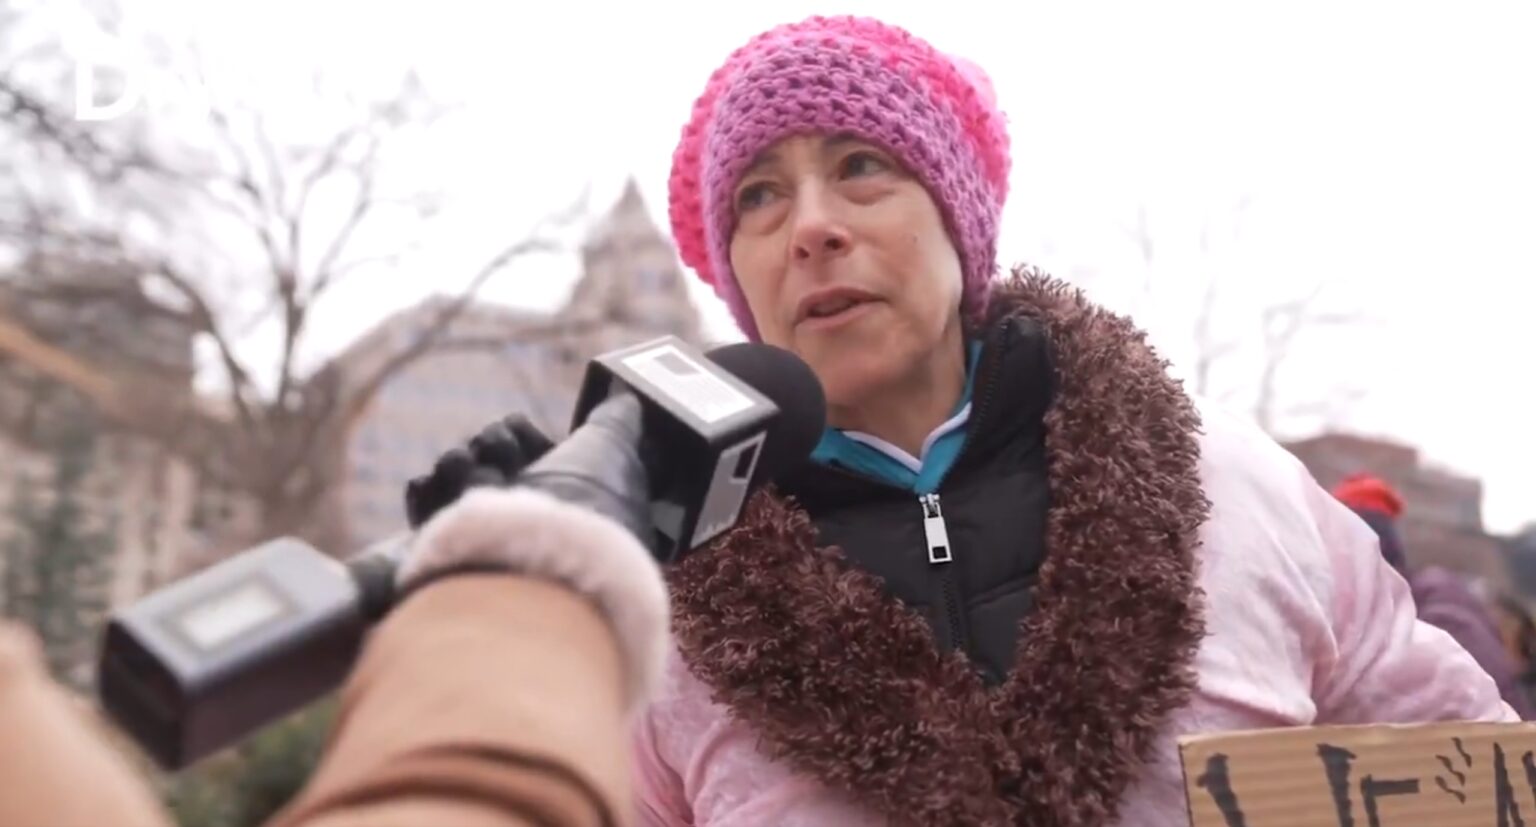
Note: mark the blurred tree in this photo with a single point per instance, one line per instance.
(57, 563)
(1239, 352)
(235, 221)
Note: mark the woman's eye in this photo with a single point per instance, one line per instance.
(863, 163)
(752, 196)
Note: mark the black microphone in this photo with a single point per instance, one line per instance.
(702, 431)
(202, 663)
(789, 382)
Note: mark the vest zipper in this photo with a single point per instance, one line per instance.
(941, 553)
(935, 530)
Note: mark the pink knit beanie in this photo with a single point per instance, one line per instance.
(936, 113)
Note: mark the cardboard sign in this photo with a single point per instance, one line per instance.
(1431, 775)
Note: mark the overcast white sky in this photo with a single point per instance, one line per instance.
(1387, 147)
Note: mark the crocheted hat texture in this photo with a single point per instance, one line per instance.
(937, 114)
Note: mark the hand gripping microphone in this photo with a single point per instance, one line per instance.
(202, 663)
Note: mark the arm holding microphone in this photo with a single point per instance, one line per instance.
(544, 594)
(575, 643)
(489, 670)
(497, 692)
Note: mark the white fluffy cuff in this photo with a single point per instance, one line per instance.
(529, 532)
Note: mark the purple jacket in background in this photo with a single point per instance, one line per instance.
(1447, 602)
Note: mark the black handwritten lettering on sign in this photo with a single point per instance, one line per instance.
(1337, 766)
(1366, 781)
(1217, 781)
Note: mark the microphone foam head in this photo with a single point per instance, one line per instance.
(788, 381)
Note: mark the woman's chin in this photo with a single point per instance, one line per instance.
(849, 380)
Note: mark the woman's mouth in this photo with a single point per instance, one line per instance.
(835, 313)
(830, 308)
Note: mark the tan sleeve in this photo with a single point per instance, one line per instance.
(483, 700)
(58, 767)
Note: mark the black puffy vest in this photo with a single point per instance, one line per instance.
(991, 508)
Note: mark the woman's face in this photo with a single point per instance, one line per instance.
(844, 260)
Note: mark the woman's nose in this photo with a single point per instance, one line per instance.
(819, 233)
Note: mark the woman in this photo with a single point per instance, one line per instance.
(1023, 563)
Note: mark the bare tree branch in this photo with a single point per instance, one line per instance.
(1207, 351)
(1282, 325)
(339, 272)
(244, 182)
(20, 106)
(1332, 407)
(1146, 248)
(323, 168)
(1141, 235)
(441, 321)
(207, 322)
(362, 203)
(277, 185)
(279, 430)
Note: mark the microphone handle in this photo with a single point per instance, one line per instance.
(599, 466)
(373, 570)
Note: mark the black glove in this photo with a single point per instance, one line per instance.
(495, 456)
(598, 467)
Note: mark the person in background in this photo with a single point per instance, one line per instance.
(1518, 631)
(1443, 597)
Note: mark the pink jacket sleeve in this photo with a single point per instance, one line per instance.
(1384, 665)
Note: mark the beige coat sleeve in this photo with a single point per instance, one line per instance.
(483, 700)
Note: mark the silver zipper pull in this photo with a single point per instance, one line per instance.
(934, 529)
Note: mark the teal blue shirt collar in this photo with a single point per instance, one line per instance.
(864, 454)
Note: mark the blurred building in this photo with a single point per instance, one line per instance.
(101, 313)
(69, 329)
(493, 360)
(1442, 523)
(136, 491)
(66, 326)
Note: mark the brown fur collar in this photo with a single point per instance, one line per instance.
(848, 685)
